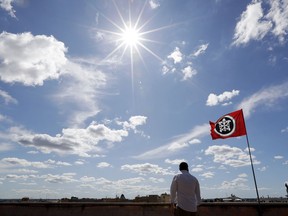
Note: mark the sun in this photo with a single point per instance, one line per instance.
(129, 34)
(131, 37)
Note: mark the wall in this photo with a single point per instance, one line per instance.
(137, 209)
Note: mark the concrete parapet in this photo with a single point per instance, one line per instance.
(137, 209)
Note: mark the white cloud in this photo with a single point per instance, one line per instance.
(188, 72)
(87, 179)
(251, 25)
(7, 5)
(64, 178)
(208, 174)
(175, 162)
(279, 15)
(176, 145)
(198, 168)
(254, 24)
(243, 175)
(80, 141)
(7, 98)
(238, 183)
(278, 157)
(17, 162)
(80, 91)
(165, 69)
(214, 100)
(103, 165)
(265, 97)
(154, 4)
(176, 55)
(157, 180)
(194, 141)
(200, 50)
(182, 64)
(29, 59)
(133, 122)
(146, 168)
(231, 156)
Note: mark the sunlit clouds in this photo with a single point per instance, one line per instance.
(223, 98)
(8, 6)
(255, 24)
(182, 64)
(29, 59)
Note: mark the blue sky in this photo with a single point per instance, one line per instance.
(103, 98)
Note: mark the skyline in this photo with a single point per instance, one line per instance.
(103, 98)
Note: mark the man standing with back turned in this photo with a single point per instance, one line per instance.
(185, 192)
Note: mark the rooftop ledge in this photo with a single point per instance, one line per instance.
(138, 209)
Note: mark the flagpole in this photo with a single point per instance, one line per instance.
(251, 161)
(254, 177)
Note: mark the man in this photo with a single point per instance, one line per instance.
(185, 192)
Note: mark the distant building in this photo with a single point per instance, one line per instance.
(25, 199)
(165, 198)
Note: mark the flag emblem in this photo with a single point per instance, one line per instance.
(229, 125)
(225, 126)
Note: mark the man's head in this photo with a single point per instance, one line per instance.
(183, 166)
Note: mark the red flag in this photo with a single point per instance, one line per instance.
(229, 125)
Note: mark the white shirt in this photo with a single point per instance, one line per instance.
(185, 191)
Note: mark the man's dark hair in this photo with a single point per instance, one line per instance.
(183, 166)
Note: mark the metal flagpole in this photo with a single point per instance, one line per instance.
(254, 177)
(259, 209)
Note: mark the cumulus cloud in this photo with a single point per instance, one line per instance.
(208, 174)
(239, 183)
(197, 168)
(231, 156)
(176, 145)
(154, 4)
(278, 157)
(18, 162)
(214, 100)
(176, 55)
(254, 24)
(278, 14)
(79, 141)
(64, 178)
(180, 63)
(134, 121)
(175, 162)
(29, 59)
(103, 165)
(265, 97)
(146, 168)
(188, 72)
(251, 25)
(7, 5)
